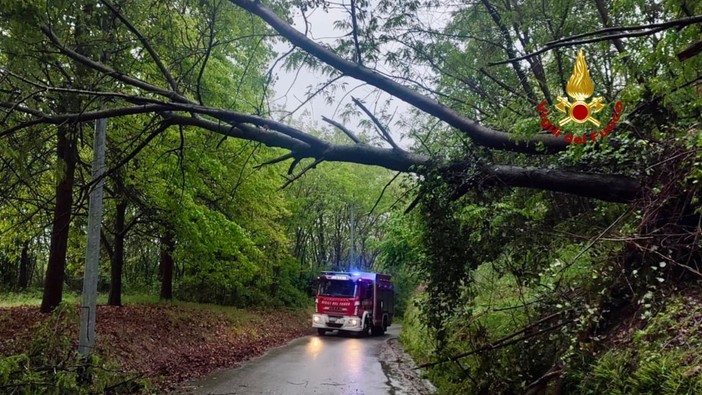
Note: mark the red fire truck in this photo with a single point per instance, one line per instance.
(354, 302)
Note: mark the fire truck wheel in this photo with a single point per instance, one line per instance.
(377, 331)
(366, 328)
(321, 332)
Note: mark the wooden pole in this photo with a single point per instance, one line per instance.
(86, 341)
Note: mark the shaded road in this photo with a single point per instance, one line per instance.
(331, 364)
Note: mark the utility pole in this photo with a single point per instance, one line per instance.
(86, 341)
(352, 258)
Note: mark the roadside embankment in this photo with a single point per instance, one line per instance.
(163, 343)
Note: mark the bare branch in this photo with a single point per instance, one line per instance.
(279, 159)
(292, 165)
(208, 52)
(79, 117)
(609, 187)
(505, 86)
(129, 98)
(383, 193)
(383, 131)
(509, 48)
(160, 129)
(690, 51)
(343, 128)
(674, 23)
(302, 173)
(510, 339)
(354, 30)
(245, 132)
(313, 95)
(572, 41)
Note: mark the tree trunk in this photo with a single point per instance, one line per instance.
(322, 247)
(23, 278)
(67, 157)
(166, 266)
(117, 258)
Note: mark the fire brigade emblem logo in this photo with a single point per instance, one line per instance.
(579, 111)
(579, 88)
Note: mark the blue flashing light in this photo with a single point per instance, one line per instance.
(356, 273)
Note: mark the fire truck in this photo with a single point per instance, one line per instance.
(355, 302)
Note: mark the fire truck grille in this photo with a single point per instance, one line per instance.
(334, 325)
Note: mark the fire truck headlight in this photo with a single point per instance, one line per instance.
(353, 322)
(315, 318)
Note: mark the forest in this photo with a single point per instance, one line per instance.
(536, 197)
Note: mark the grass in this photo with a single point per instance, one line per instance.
(33, 298)
(237, 316)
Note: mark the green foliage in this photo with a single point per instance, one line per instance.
(227, 217)
(448, 258)
(400, 254)
(413, 337)
(324, 204)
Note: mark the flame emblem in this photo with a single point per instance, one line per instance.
(579, 88)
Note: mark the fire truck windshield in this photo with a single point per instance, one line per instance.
(342, 288)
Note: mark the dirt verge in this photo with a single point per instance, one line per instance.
(400, 368)
(167, 343)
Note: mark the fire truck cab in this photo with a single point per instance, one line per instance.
(359, 302)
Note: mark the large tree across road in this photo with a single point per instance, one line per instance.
(140, 95)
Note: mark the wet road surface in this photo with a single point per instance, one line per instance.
(331, 364)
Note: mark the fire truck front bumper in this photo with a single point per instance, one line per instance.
(345, 323)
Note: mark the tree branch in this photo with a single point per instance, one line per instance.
(571, 41)
(81, 117)
(273, 161)
(145, 43)
(479, 134)
(343, 128)
(383, 193)
(302, 172)
(175, 96)
(354, 30)
(509, 48)
(381, 128)
(613, 188)
(509, 339)
(690, 51)
(160, 129)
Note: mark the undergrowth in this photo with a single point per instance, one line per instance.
(663, 357)
(51, 365)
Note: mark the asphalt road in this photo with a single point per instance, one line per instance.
(330, 364)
